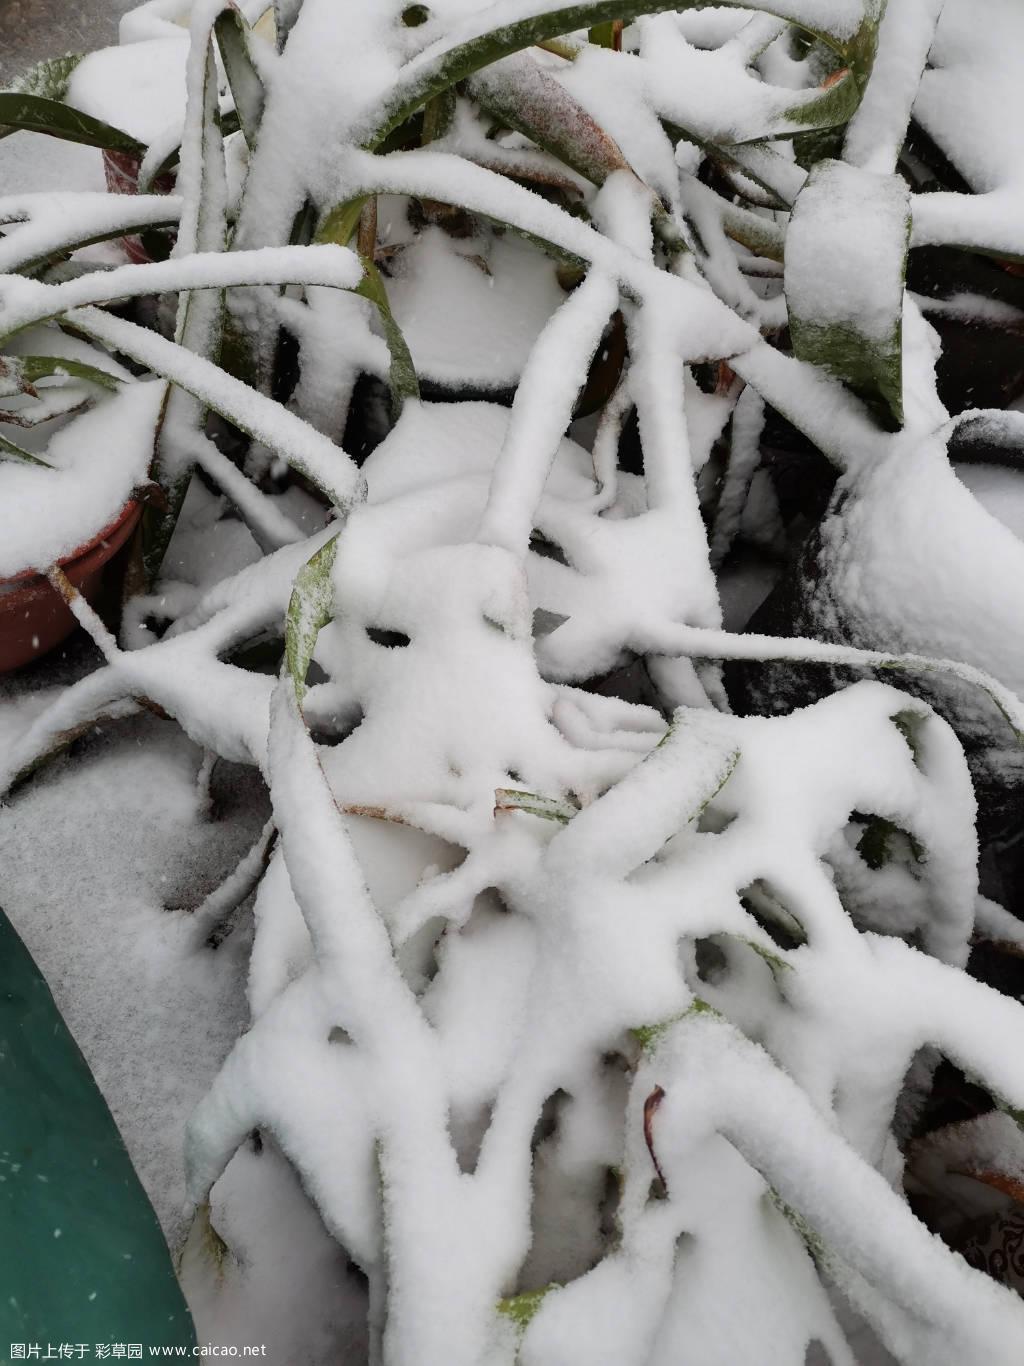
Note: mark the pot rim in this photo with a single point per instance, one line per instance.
(27, 576)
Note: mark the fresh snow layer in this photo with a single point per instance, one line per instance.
(469, 311)
(971, 99)
(139, 89)
(98, 457)
(470, 1039)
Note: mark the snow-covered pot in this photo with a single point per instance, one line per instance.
(69, 485)
(139, 88)
(34, 618)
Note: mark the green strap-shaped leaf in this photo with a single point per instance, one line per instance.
(32, 368)
(285, 14)
(199, 325)
(20, 110)
(534, 804)
(649, 1037)
(136, 218)
(233, 38)
(11, 451)
(310, 607)
(429, 76)
(402, 373)
(82, 1258)
(529, 99)
(846, 256)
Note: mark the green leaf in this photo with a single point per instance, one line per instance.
(428, 78)
(402, 379)
(530, 100)
(548, 808)
(11, 451)
(649, 1036)
(603, 35)
(311, 607)
(829, 107)
(129, 224)
(199, 326)
(37, 114)
(233, 39)
(40, 367)
(341, 222)
(285, 14)
(522, 1309)
(808, 1236)
(760, 236)
(84, 1258)
(846, 256)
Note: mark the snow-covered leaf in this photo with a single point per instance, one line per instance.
(33, 368)
(846, 252)
(310, 608)
(233, 41)
(534, 804)
(526, 97)
(37, 114)
(10, 450)
(402, 375)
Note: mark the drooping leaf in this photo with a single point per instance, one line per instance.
(36, 114)
(846, 254)
(310, 607)
(285, 14)
(11, 451)
(200, 319)
(436, 71)
(402, 373)
(233, 39)
(41, 367)
(83, 1258)
(529, 99)
(131, 214)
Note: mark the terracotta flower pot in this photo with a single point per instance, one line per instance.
(34, 617)
(121, 170)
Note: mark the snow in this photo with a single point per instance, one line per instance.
(876, 131)
(98, 458)
(969, 98)
(139, 89)
(518, 1001)
(469, 318)
(845, 250)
